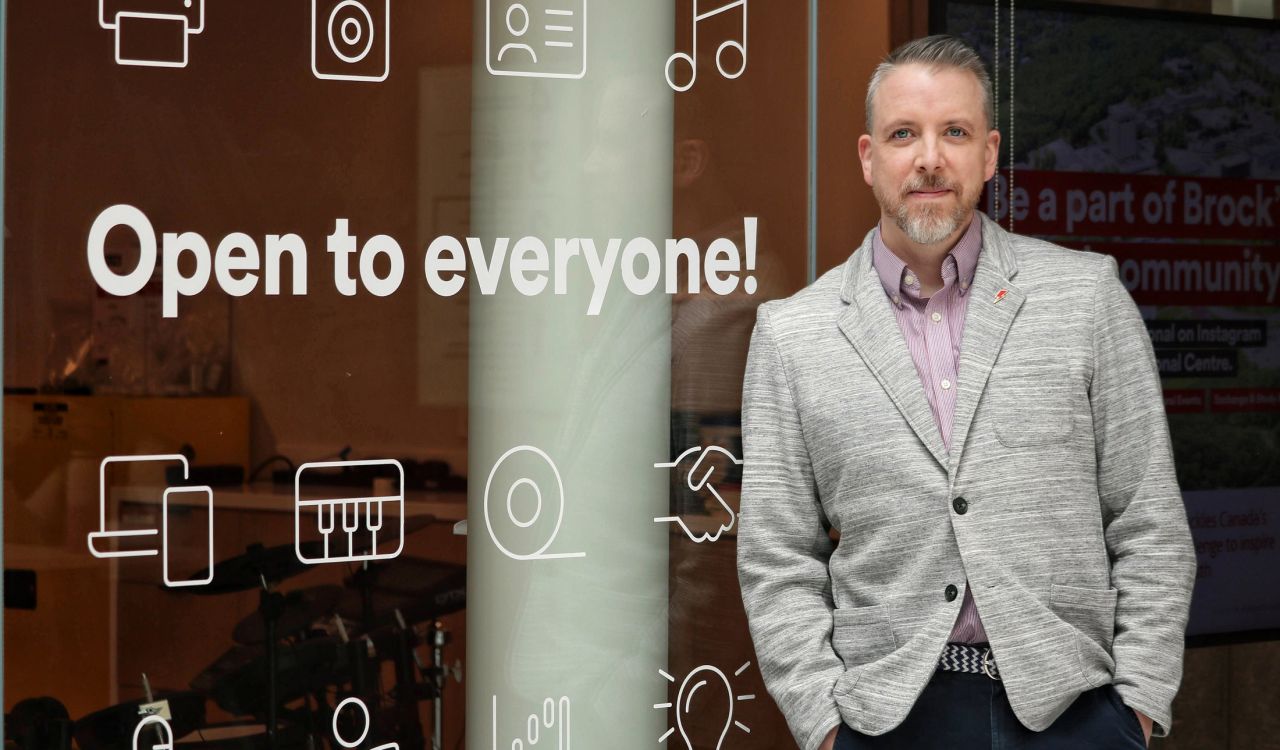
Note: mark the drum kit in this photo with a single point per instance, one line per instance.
(303, 656)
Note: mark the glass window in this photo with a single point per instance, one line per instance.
(374, 369)
(364, 345)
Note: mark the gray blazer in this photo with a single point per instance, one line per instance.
(1074, 541)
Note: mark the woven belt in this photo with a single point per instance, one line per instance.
(965, 657)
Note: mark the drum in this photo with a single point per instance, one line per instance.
(240, 736)
(112, 728)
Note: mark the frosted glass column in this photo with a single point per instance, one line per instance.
(567, 571)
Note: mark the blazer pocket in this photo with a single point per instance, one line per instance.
(861, 635)
(1040, 422)
(1091, 611)
(1031, 406)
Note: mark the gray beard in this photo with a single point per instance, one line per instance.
(928, 226)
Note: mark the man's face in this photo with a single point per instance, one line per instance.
(929, 152)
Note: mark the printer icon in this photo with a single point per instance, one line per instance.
(152, 33)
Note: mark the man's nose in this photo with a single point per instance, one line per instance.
(929, 157)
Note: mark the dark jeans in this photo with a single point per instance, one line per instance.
(962, 711)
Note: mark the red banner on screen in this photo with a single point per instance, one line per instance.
(1086, 204)
(1244, 399)
(1169, 274)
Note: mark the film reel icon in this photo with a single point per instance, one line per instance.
(526, 484)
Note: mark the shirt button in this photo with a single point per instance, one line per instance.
(946, 384)
(951, 592)
(895, 299)
(961, 505)
(909, 279)
(964, 284)
(936, 317)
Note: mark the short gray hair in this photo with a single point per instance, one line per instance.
(937, 51)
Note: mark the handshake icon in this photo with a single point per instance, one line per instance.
(700, 468)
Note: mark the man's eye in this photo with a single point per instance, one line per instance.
(901, 133)
(955, 132)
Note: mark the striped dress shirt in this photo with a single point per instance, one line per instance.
(933, 327)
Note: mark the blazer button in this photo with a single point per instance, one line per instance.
(951, 592)
(960, 504)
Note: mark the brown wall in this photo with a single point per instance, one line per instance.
(853, 38)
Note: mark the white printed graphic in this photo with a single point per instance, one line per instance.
(364, 726)
(698, 480)
(95, 538)
(536, 38)
(555, 715)
(351, 39)
(162, 733)
(164, 537)
(692, 60)
(717, 697)
(349, 526)
(522, 461)
(187, 22)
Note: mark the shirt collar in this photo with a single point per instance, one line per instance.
(893, 270)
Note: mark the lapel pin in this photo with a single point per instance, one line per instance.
(1000, 295)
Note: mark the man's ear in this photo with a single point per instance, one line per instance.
(864, 155)
(992, 153)
(692, 158)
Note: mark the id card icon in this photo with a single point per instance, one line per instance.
(536, 38)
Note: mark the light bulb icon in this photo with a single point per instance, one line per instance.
(704, 697)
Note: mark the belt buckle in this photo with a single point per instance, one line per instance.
(987, 663)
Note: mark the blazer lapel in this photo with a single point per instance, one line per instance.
(986, 324)
(873, 330)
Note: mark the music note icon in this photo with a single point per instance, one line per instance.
(692, 60)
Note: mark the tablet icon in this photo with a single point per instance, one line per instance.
(351, 39)
(536, 38)
(183, 20)
(99, 540)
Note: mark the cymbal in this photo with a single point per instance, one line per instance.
(244, 736)
(245, 571)
(298, 611)
(112, 728)
(421, 589)
(237, 680)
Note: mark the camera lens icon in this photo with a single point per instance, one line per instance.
(351, 39)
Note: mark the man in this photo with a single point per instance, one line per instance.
(1014, 566)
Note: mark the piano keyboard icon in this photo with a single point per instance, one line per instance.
(353, 526)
